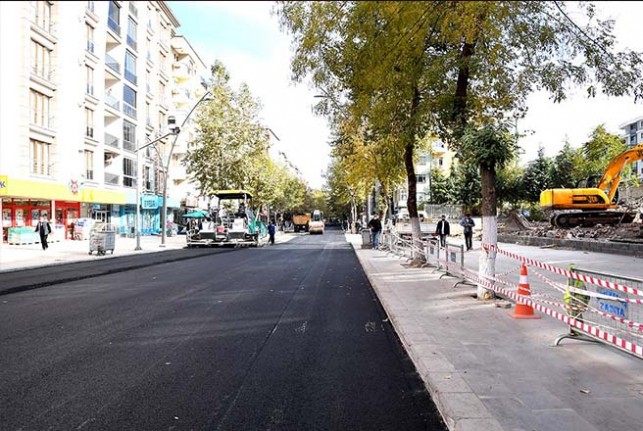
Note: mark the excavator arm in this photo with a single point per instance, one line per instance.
(612, 176)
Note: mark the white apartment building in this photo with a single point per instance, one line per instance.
(633, 134)
(85, 84)
(437, 158)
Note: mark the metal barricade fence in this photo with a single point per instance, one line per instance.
(605, 310)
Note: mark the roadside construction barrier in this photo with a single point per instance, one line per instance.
(596, 307)
(524, 311)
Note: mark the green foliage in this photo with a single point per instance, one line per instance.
(537, 177)
(595, 154)
(563, 168)
(464, 182)
(441, 193)
(509, 186)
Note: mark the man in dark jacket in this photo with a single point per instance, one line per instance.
(376, 229)
(44, 229)
(443, 229)
(271, 231)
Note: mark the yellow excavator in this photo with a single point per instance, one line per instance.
(587, 205)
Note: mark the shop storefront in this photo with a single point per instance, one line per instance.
(23, 202)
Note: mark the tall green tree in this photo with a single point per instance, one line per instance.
(231, 147)
(537, 177)
(563, 171)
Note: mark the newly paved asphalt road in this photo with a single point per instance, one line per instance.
(285, 337)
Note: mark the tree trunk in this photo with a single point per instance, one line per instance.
(411, 204)
(487, 261)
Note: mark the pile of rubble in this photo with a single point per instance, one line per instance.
(516, 224)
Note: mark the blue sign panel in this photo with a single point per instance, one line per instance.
(149, 202)
(615, 308)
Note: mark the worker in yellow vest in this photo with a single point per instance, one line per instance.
(575, 302)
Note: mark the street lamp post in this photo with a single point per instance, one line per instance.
(138, 186)
(175, 131)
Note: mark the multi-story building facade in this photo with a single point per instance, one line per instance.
(84, 85)
(189, 82)
(633, 135)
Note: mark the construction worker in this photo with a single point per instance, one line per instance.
(575, 302)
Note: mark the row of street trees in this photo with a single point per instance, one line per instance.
(230, 150)
(397, 72)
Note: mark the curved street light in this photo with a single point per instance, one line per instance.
(175, 131)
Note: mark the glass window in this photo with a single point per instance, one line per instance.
(89, 165)
(89, 77)
(42, 14)
(129, 172)
(89, 122)
(114, 18)
(90, 38)
(40, 158)
(129, 136)
(40, 60)
(130, 67)
(131, 32)
(39, 109)
(129, 96)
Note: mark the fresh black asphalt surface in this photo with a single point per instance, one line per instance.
(285, 337)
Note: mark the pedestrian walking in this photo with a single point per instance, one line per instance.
(467, 224)
(44, 229)
(271, 232)
(443, 229)
(376, 230)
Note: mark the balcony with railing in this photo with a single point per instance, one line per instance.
(112, 64)
(112, 141)
(112, 102)
(112, 179)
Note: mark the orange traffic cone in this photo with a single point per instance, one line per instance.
(522, 311)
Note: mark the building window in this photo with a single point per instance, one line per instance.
(148, 119)
(130, 67)
(89, 78)
(40, 61)
(129, 136)
(114, 18)
(129, 172)
(129, 101)
(633, 139)
(90, 38)
(39, 109)
(421, 179)
(131, 32)
(440, 162)
(39, 158)
(162, 93)
(89, 123)
(424, 159)
(42, 15)
(89, 165)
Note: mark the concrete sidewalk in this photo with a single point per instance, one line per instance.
(488, 371)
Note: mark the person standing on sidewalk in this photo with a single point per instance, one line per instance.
(376, 230)
(443, 229)
(44, 229)
(271, 232)
(467, 224)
